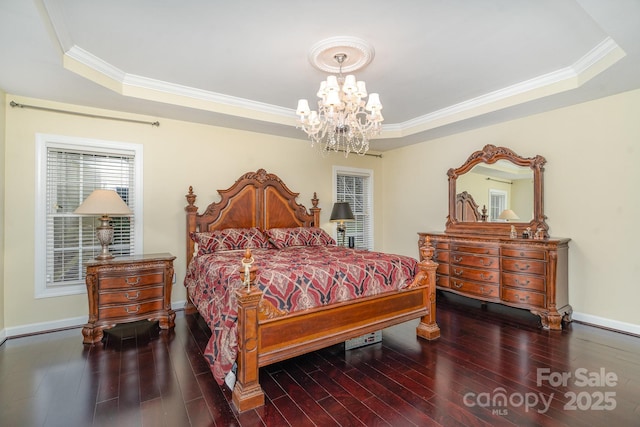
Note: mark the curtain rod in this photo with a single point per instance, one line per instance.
(365, 154)
(95, 116)
(497, 180)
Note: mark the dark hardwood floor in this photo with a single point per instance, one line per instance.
(483, 371)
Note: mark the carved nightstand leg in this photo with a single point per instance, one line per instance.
(168, 321)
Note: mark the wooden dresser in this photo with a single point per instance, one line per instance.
(524, 273)
(128, 289)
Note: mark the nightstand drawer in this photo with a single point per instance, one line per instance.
(131, 295)
(131, 281)
(127, 310)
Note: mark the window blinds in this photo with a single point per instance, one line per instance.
(71, 239)
(355, 190)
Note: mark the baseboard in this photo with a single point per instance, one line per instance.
(38, 328)
(73, 322)
(603, 322)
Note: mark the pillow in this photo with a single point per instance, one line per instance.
(299, 236)
(229, 239)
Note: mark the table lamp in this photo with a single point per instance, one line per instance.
(341, 212)
(104, 203)
(508, 215)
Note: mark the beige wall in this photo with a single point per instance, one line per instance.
(592, 154)
(591, 195)
(2, 223)
(176, 155)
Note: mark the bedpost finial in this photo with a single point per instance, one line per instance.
(315, 200)
(191, 198)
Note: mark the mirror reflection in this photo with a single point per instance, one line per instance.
(501, 192)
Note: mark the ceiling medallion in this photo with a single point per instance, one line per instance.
(345, 120)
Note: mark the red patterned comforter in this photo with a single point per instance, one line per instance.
(293, 279)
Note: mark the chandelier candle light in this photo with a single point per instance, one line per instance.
(346, 120)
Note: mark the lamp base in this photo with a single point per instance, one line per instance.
(104, 233)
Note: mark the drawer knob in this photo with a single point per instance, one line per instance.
(134, 297)
(524, 283)
(457, 258)
(526, 267)
(457, 272)
(485, 277)
(128, 310)
(132, 281)
(525, 299)
(457, 285)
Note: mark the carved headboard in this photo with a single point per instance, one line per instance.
(467, 208)
(256, 199)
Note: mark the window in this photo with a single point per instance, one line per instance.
(356, 187)
(69, 169)
(497, 203)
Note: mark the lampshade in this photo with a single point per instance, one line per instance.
(342, 212)
(103, 202)
(508, 215)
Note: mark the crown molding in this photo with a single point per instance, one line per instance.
(598, 59)
(93, 68)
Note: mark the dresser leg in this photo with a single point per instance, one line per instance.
(92, 334)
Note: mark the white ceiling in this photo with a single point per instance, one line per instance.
(440, 66)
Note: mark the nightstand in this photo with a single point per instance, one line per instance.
(128, 289)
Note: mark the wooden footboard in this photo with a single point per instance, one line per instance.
(263, 341)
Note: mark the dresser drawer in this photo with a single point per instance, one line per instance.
(113, 312)
(524, 253)
(443, 269)
(440, 245)
(480, 250)
(131, 295)
(474, 260)
(131, 281)
(523, 266)
(484, 290)
(442, 281)
(441, 256)
(490, 276)
(518, 296)
(523, 281)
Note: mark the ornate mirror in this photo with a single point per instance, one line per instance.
(495, 189)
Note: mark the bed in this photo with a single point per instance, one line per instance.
(262, 329)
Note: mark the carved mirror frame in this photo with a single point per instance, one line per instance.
(491, 154)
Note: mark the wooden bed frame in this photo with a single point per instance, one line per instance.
(259, 199)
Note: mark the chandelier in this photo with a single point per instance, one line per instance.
(345, 120)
